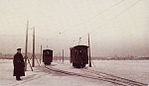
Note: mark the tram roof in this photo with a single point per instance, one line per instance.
(78, 46)
(47, 50)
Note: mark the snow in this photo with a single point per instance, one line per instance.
(137, 70)
(43, 77)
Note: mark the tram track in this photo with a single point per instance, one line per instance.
(116, 78)
(92, 74)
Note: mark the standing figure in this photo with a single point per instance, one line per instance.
(19, 65)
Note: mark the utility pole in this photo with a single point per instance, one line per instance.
(89, 50)
(47, 45)
(40, 53)
(79, 40)
(33, 56)
(63, 55)
(26, 46)
(60, 56)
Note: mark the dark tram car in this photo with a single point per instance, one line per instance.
(79, 56)
(47, 56)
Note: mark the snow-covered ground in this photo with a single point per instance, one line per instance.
(135, 70)
(42, 77)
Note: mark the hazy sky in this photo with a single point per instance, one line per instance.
(117, 27)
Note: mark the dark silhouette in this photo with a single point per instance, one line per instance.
(19, 65)
(47, 56)
(79, 56)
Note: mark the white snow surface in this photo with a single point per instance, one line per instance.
(41, 77)
(135, 70)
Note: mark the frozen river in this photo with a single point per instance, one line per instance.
(132, 69)
(137, 70)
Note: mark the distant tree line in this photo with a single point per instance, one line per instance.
(108, 58)
(10, 56)
(120, 58)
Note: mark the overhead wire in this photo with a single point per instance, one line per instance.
(101, 13)
(116, 16)
(93, 17)
(113, 18)
(89, 19)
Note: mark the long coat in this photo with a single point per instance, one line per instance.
(19, 65)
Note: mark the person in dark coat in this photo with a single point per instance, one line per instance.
(19, 65)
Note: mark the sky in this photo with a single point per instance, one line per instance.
(116, 27)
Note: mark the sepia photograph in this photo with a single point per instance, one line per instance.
(74, 42)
